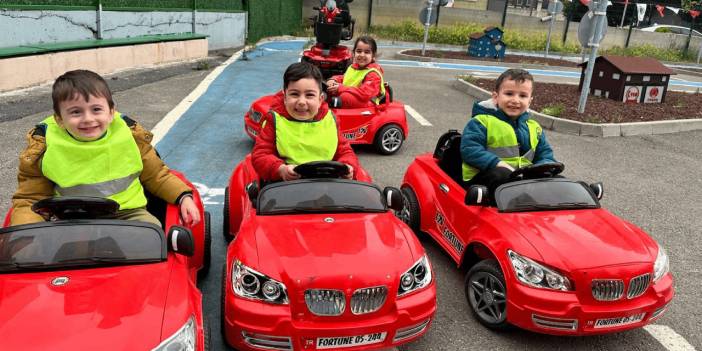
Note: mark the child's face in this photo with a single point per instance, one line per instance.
(513, 98)
(363, 54)
(85, 120)
(303, 98)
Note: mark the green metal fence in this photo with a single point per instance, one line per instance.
(273, 17)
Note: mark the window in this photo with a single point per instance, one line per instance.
(615, 76)
(646, 78)
(598, 92)
(601, 74)
(664, 78)
(606, 94)
(628, 78)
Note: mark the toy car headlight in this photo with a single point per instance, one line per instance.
(255, 115)
(662, 264)
(536, 275)
(251, 284)
(183, 339)
(417, 277)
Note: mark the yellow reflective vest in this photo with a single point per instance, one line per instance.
(108, 167)
(354, 78)
(502, 141)
(300, 142)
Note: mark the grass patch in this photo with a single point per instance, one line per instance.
(468, 78)
(554, 110)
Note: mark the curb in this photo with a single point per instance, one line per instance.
(592, 129)
(400, 55)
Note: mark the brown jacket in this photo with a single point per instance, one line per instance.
(33, 186)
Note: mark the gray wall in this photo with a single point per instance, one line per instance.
(225, 29)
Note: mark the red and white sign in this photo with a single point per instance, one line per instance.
(654, 94)
(632, 94)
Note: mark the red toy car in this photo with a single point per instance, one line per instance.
(99, 284)
(321, 263)
(383, 125)
(541, 253)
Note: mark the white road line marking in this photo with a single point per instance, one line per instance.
(172, 117)
(669, 338)
(412, 112)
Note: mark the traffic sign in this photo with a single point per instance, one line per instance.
(555, 7)
(585, 35)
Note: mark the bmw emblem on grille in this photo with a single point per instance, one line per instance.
(59, 281)
(329, 220)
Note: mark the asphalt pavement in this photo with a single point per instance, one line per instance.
(651, 181)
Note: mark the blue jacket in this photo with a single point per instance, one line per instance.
(474, 139)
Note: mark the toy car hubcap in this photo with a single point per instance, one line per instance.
(392, 139)
(487, 297)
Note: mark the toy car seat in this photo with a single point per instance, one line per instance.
(388, 94)
(448, 153)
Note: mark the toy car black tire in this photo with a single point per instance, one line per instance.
(488, 270)
(389, 139)
(207, 249)
(411, 217)
(225, 215)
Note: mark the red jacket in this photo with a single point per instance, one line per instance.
(265, 157)
(360, 96)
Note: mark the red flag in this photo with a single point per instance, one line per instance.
(694, 13)
(660, 9)
(585, 2)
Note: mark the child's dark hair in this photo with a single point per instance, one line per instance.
(368, 40)
(81, 82)
(516, 74)
(301, 70)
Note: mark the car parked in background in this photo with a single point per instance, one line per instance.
(668, 28)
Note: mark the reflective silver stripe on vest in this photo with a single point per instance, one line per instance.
(103, 189)
(505, 152)
(529, 155)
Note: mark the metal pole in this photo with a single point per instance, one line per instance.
(570, 17)
(699, 53)
(689, 35)
(98, 21)
(601, 11)
(504, 15)
(628, 35)
(427, 23)
(370, 13)
(548, 38)
(438, 8)
(626, 3)
(194, 11)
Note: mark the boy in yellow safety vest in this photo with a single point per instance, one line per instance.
(299, 128)
(362, 85)
(86, 148)
(501, 136)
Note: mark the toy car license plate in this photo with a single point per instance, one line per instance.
(348, 341)
(619, 321)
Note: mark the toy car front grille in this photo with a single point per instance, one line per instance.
(607, 289)
(638, 285)
(325, 302)
(368, 300)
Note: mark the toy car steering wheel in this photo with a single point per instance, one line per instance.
(75, 207)
(321, 169)
(544, 170)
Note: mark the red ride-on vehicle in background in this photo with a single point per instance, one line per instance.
(331, 25)
(103, 284)
(384, 126)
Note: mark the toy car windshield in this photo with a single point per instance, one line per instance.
(320, 196)
(544, 195)
(70, 245)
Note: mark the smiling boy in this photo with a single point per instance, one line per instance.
(299, 128)
(501, 136)
(88, 149)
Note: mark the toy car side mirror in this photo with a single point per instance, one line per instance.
(180, 240)
(477, 195)
(597, 189)
(252, 192)
(393, 198)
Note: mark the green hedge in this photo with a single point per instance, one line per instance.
(273, 17)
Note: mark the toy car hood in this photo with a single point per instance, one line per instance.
(583, 238)
(108, 308)
(370, 246)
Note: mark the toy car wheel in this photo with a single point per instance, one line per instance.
(389, 139)
(222, 298)
(206, 332)
(487, 295)
(225, 216)
(207, 250)
(410, 212)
